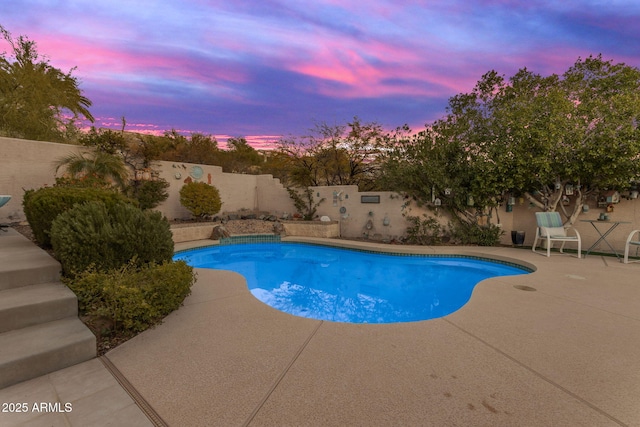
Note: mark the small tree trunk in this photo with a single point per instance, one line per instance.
(533, 200)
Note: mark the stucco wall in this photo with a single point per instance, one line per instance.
(375, 215)
(237, 191)
(27, 165)
(628, 210)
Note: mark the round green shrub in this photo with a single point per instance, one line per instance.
(200, 199)
(109, 237)
(42, 206)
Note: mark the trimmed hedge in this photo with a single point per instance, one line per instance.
(109, 237)
(133, 299)
(42, 206)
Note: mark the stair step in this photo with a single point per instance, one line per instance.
(30, 305)
(38, 350)
(23, 263)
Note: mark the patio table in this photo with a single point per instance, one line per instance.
(603, 236)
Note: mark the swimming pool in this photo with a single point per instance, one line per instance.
(342, 285)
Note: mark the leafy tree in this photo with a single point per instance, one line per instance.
(199, 148)
(276, 163)
(137, 152)
(35, 97)
(530, 135)
(241, 157)
(337, 155)
(105, 140)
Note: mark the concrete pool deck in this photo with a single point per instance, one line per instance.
(567, 353)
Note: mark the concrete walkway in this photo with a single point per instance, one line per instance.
(564, 354)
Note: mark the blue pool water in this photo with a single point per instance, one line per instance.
(342, 285)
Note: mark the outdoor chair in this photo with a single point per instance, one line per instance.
(3, 201)
(630, 243)
(550, 229)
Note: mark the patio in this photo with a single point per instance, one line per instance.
(564, 354)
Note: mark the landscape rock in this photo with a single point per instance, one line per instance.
(220, 232)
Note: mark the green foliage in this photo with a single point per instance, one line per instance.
(39, 101)
(474, 234)
(425, 231)
(105, 141)
(42, 206)
(241, 157)
(149, 194)
(174, 147)
(523, 135)
(337, 155)
(108, 237)
(305, 203)
(131, 298)
(200, 199)
(98, 167)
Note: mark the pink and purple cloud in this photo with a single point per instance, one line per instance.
(276, 67)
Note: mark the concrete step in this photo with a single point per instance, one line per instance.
(31, 305)
(37, 350)
(23, 263)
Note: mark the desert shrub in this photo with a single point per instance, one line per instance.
(91, 181)
(200, 199)
(132, 299)
(425, 230)
(149, 194)
(475, 234)
(42, 206)
(304, 203)
(109, 237)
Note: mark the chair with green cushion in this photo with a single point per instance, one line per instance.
(630, 242)
(551, 229)
(3, 201)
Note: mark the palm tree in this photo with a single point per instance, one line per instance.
(39, 101)
(102, 166)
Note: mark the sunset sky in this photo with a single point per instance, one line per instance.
(266, 68)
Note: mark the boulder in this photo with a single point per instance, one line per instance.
(220, 232)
